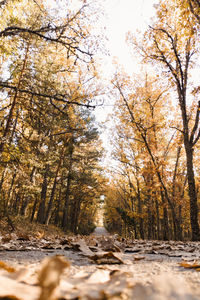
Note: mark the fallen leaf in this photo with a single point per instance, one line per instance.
(137, 257)
(107, 244)
(4, 266)
(8, 297)
(84, 248)
(12, 288)
(186, 265)
(99, 276)
(49, 275)
(107, 258)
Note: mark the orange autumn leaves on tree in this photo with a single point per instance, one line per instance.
(169, 49)
(149, 159)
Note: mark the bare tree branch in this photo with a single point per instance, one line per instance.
(56, 97)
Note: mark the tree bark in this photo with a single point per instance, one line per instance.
(165, 223)
(41, 210)
(34, 209)
(50, 204)
(67, 193)
(192, 195)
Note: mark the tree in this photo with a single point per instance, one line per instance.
(173, 45)
(145, 147)
(48, 76)
(40, 36)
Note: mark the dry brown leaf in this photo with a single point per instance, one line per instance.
(117, 287)
(40, 234)
(194, 265)
(49, 275)
(84, 248)
(137, 257)
(99, 276)
(9, 297)
(4, 266)
(109, 245)
(6, 238)
(107, 258)
(12, 288)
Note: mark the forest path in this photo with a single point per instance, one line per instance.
(139, 270)
(100, 231)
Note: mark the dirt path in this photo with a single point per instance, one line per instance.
(100, 231)
(149, 270)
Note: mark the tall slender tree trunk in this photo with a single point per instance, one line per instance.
(141, 222)
(50, 204)
(76, 220)
(28, 197)
(157, 219)
(165, 222)
(192, 195)
(67, 193)
(11, 188)
(2, 195)
(189, 144)
(34, 209)
(41, 210)
(58, 203)
(2, 179)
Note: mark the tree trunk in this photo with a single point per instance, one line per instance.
(11, 188)
(16, 203)
(24, 206)
(2, 179)
(41, 211)
(157, 219)
(50, 204)
(58, 204)
(27, 198)
(76, 221)
(150, 225)
(34, 209)
(165, 222)
(141, 222)
(74, 215)
(192, 194)
(67, 193)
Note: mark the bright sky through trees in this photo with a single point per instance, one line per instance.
(121, 17)
(124, 16)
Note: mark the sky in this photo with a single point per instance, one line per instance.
(123, 16)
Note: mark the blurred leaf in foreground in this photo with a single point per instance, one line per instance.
(49, 276)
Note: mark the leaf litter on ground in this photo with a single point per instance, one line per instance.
(113, 273)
